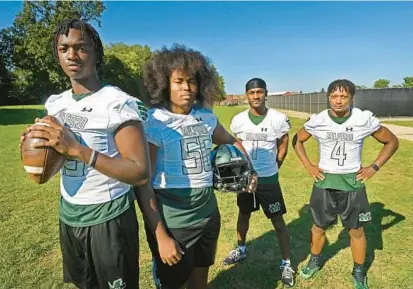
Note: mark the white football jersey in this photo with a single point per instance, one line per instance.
(184, 144)
(260, 141)
(94, 120)
(340, 145)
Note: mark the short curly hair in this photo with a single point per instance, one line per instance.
(345, 84)
(159, 68)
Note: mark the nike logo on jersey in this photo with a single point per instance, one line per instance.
(86, 109)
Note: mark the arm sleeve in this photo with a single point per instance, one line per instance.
(126, 110)
(285, 126)
(374, 123)
(152, 130)
(235, 126)
(311, 126)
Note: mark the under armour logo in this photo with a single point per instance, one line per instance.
(86, 109)
(349, 129)
(199, 119)
(263, 129)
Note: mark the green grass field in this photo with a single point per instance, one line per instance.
(29, 245)
(408, 123)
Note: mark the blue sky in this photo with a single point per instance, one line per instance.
(292, 45)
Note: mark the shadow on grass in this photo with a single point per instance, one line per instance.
(19, 115)
(261, 268)
(374, 234)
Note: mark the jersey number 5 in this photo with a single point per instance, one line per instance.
(197, 149)
(74, 167)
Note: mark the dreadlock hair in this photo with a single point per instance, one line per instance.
(158, 70)
(63, 29)
(345, 84)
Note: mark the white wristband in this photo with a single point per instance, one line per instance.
(92, 156)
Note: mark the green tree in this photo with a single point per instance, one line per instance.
(124, 66)
(5, 82)
(360, 87)
(408, 81)
(221, 86)
(27, 45)
(381, 83)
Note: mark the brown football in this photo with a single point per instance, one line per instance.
(40, 163)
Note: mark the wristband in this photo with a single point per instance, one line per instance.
(375, 167)
(93, 159)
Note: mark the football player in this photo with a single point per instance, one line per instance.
(98, 127)
(181, 130)
(264, 134)
(339, 177)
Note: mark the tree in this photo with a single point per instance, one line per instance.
(382, 83)
(5, 82)
(359, 87)
(27, 45)
(408, 81)
(322, 90)
(124, 66)
(221, 87)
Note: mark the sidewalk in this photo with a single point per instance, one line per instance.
(402, 132)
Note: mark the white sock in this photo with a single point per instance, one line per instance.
(286, 262)
(242, 248)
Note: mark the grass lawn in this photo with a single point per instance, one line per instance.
(408, 123)
(30, 255)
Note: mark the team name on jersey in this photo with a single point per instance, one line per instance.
(194, 130)
(340, 136)
(73, 121)
(256, 136)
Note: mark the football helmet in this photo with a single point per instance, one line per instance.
(231, 168)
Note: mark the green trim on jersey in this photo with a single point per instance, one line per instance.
(185, 207)
(271, 180)
(89, 215)
(342, 182)
(256, 119)
(339, 120)
(81, 96)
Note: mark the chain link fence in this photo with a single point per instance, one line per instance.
(386, 102)
(306, 102)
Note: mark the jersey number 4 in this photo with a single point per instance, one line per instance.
(339, 153)
(197, 149)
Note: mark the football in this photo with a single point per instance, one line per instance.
(40, 163)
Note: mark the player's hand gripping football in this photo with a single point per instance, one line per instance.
(55, 135)
(169, 250)
(365, 173)
(315, 172)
